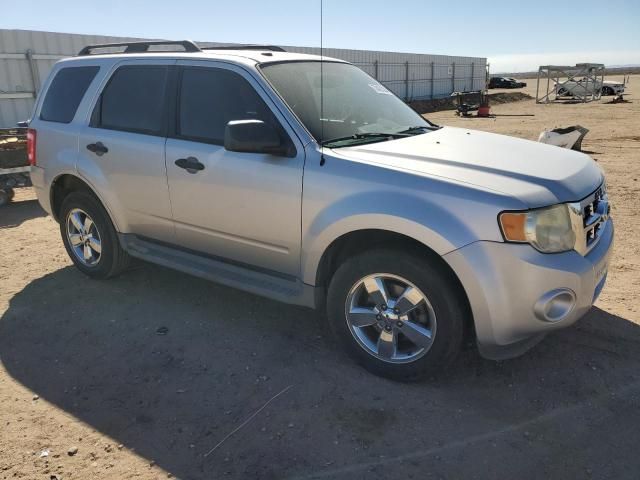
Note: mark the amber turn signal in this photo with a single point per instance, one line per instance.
(513, 226)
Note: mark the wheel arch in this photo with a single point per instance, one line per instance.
(67, 183)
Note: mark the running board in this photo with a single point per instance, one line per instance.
(232, 275)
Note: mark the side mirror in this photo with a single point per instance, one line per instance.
(253, 136)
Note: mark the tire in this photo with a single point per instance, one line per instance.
(606, 91)
(5, 197)
(441, 300)
(111, 259)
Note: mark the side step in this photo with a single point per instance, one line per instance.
(257, 282)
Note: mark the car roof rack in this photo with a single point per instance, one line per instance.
(272, 48)
(141, 47)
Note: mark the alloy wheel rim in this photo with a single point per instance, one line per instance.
(84, 237)
(390, 318)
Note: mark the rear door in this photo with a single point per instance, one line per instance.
(245, 207)
(122, 148)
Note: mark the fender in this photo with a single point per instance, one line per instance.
(430, 224)
(93, 190)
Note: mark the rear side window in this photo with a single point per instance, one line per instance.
(65, 93)
(133, 101)
(210, 98)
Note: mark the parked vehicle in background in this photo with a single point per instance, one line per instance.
(14, 164)
(586, 86)
(505, 82)
(412, 237)
(518, 83)
(612, 87)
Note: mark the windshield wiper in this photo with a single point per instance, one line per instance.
(367, 135)
(420, 128)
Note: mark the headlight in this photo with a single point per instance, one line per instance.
(546, 229)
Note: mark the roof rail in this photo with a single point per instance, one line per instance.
(272, 48)
(141, 47)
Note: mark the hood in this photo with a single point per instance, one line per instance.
(535, 173)
(613, 83)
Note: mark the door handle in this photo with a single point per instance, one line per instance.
(190, 164)
(98, 148)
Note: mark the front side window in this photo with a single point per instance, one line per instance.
(212, 97)
(134, 100)
(340, 104)
(66, 92)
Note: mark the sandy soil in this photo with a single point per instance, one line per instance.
(83, 365)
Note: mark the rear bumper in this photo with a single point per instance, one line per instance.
(518, 294)
(39, 185)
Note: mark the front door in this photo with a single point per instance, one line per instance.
(244, 207)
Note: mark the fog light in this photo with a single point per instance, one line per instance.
(555, 305)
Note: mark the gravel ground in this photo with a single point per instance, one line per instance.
(147, 373)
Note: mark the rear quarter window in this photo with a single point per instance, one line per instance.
(65, 93)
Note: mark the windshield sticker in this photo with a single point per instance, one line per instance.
(380, 89)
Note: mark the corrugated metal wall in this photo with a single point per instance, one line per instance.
(26, 57)
(413, 76)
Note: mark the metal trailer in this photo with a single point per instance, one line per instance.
(582, 82)
(14, 166)
(26, 57)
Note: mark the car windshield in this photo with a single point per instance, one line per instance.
(356, 108)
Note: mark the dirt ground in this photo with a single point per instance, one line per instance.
(147, 373)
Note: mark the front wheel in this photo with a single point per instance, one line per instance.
(399, 315)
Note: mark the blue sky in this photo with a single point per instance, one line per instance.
(514, 35)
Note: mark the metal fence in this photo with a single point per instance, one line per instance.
(420, 81)
(413, 76)
(26, 57)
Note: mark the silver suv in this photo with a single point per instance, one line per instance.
(308, 182)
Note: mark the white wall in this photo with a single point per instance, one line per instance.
(428, 75)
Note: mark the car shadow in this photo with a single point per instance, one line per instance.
(15, 214)
(590, 152)
(168, 365)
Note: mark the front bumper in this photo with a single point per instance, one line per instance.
(506, 283)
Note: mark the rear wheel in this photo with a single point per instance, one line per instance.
(90, 238)
(398, 315)
(6, 196)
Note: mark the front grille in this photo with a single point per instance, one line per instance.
(588, 218)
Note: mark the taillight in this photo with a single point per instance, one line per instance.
(31, 146)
